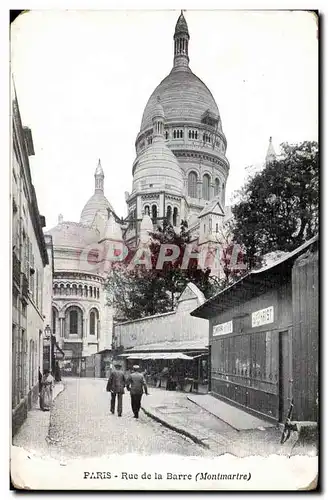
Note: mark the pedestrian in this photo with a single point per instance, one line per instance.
(47, 384)
(136, 384)
(115, 385)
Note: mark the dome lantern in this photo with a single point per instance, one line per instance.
(181, 41)
(271, 154)
(99, 179)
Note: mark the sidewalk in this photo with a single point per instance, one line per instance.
(185, 414)
(33, 434)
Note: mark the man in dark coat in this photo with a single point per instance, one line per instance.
(136, 384)
(116, 384)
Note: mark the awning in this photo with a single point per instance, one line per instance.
(158, 355)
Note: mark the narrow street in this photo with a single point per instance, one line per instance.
(81, 425)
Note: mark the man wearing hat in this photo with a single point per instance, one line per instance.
(136, 384)
(115, 385)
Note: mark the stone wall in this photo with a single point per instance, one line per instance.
(173, 326)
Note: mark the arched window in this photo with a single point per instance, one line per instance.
(169, 214)
(73, 321)
(90, 291)
(93, 322)
(192, 184)
(181, 134)
(196, 134)
(206, 187)
(174, 134)
(147, 210)
(189, 134)
(166, 135)
(97, 293)
(175, 216)
(216, 187)
(154, 214)
(222, 193)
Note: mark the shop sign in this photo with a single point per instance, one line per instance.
(222, 328)
(262, 317)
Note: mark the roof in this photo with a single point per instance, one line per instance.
(183, 345)
(183, 96)
(211, 206)
(181, 27)
(97, 203)
(249, 286)
(158, 355)
(73, 235)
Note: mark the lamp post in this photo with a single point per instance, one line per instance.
(47, 334)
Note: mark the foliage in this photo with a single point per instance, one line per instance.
(279, 206)
(139, 292)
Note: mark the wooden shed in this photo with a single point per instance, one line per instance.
(263, 337)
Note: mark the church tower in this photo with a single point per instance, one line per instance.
(192, 131)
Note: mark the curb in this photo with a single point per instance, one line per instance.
(219, 418)
(174, 428)
(48, 438)
(59, 392)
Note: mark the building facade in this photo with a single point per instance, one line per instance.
(81, 319)
(29, 261)
(181, 163)
(263, 335)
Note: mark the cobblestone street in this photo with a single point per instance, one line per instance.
(81, 425)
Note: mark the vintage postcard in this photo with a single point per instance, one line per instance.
(165, 220)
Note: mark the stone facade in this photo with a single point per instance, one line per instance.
(30, 265)
(81, 320)
(192, 131)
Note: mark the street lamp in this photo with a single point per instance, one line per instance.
(47, 334)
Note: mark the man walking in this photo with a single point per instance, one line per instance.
(115, 385)
(136, 384)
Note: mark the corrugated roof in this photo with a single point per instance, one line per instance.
(255, 282)
(184, 345)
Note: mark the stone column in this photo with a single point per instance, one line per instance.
(211, 190)
(199, 189)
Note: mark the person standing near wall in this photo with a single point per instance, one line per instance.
(115, 385)
(136, 384)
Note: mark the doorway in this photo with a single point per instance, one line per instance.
(285, 374)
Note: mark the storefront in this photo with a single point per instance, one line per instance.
(171, 365)
(253, 346)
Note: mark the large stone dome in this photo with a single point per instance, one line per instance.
(184, 98)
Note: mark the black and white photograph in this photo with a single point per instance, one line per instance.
(164, 218)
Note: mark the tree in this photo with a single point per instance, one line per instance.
(137, 292)
(279, 206)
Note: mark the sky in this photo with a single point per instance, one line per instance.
(83, 79)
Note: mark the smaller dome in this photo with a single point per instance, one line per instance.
(97, 203)
(157, 168)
